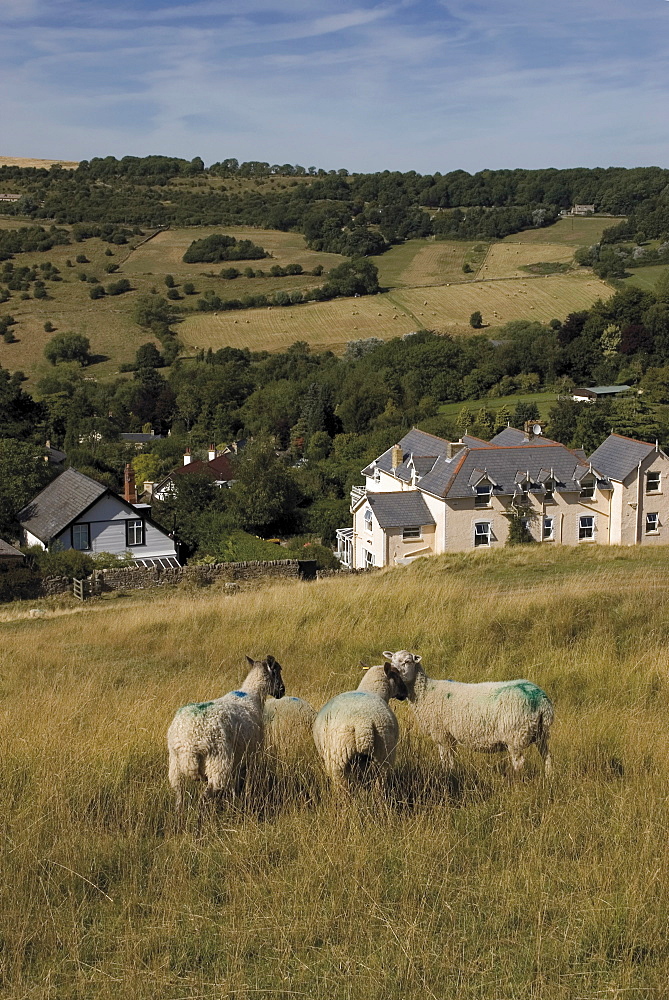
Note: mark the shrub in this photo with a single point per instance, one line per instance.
(49, 327)
(68, 347)
(18, 583)
(62, 562)
(118, 287)
(96, 292)
(81, 258)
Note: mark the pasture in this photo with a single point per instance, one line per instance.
(544, 401)
(504, 260)
(645, 277)
(472, 888)
(424, 262)
(573, 231)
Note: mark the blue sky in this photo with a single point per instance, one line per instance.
(413, 84)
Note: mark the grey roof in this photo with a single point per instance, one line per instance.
(139, 438)
(423, 463)
(509, 466)
(55, 456)
(603, 389)
(511, 436)
(8, 551)
(400, 510)
(618, 456)
(474, 442)
(59, 504)
(416, 444)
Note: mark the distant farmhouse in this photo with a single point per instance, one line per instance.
(76, 512)
(594, 392)
(583, 210)
(425, 496)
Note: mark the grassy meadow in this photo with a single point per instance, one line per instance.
(476, 887)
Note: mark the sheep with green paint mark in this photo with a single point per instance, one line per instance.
(356, 733)
(212, 741)
(489, 717)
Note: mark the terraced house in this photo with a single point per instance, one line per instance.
(425, 496)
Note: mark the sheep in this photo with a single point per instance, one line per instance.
(212, 740)
(287, 726)
(490, 716)
(356, 732)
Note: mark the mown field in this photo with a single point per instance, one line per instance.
(425, 282)
(570, 232)
(473, 888)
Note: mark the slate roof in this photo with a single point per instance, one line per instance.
(139, 438)
(618, 456)
(508, 467)
(511, 436)
(8, 551)
(400, 510)
(59, 504)
(416, 443)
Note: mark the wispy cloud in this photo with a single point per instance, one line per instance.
(422, 84)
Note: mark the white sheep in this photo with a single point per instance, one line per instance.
(211, 741)
(356, 733)
(490, 716)
(287, 727)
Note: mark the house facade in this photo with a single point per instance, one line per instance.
(425, 496)
(76, 512)
(218, 468)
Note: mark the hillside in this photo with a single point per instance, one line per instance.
(476, 888)
(426, 288)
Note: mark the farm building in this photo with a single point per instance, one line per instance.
(76, 512)
(593, 392)
(425, 496)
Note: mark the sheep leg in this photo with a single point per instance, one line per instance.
(542, 747)
(447, 755)
(517, 760)
(177, 783)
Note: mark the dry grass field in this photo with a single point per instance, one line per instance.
(474, 887)
(504, 260)
(570, 232)
(26, 161)
(423, 262)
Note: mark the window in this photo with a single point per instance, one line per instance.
(409, 533)
(482, 533)
(377, 475)
(549, 529)
(548, 491)
(369, 558)
(588, 491)
(586, 527)
(483, 495)
(134, 532)
(652, 523)
(368, 520)
(81, 537)
(653, 482)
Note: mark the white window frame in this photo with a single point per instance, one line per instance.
(412, 534)
(132, 527)
(368, 520)
(77, 529)
(548, 530)
(376, 475)
(652, 526)
(483, 495)
(655, 489)
(549, 490)
(586, 532)
(368, 558)
(588, 491)
(487, 534)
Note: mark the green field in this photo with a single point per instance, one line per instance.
(544, 401)
(645, 277)
(469, 888)
(578, 232)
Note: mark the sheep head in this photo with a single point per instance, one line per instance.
(405, 663)
(398, 688)
(271, 672)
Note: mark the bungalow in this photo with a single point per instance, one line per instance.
(426, 496)
(76, 512)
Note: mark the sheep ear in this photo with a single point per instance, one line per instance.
(249, 660)
(387, 655)
(416, 658)
(387, 669)
(269, 660)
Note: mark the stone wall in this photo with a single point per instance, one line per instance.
(140, 577)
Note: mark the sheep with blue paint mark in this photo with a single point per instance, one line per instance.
(356, 733)
(488, 717)
(212, 741)
(287, 723)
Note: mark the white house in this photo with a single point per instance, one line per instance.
(76, 512)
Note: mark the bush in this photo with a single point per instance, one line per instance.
(118, 287)
(68, 347)
(476, 320)
(49, 327)
(81, 258)
(96, 292)
(18, 583)
(62, 562)
(188, 288)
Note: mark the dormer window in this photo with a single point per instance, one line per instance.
(653, 482)
(483, 495)
(588, 490)
(377, 475)
(549, 488)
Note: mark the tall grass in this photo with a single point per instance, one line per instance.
(468, 887)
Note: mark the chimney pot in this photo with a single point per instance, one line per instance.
(212, 453)
(187, 457)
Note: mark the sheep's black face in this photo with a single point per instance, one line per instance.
(276, 685)
(398, 688)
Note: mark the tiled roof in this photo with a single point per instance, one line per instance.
(507, 467)
(220, 466)
(618, 456)
(138, 438)
(511, 436)
(474, 442)
(400, 510)
(8, 551)
(59, 504)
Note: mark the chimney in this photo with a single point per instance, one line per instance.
(212, 452)
(129, 488)
(453, 447)
(148, 487)
(187, 457)
(396, 456)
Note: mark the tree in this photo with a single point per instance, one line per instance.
(153, 311)
(476, 320)
(148, 356)
(23, 473)
(68, 347)
(169, 281)
(264, 496)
